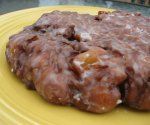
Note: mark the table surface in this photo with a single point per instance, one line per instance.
(13, 5)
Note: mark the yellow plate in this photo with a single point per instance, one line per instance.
(19, 106)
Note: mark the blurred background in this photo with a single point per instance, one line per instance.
(142, 6)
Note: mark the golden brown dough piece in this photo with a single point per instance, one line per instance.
(91, 62)
(100, 73)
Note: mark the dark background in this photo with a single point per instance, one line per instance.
(13, 5)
